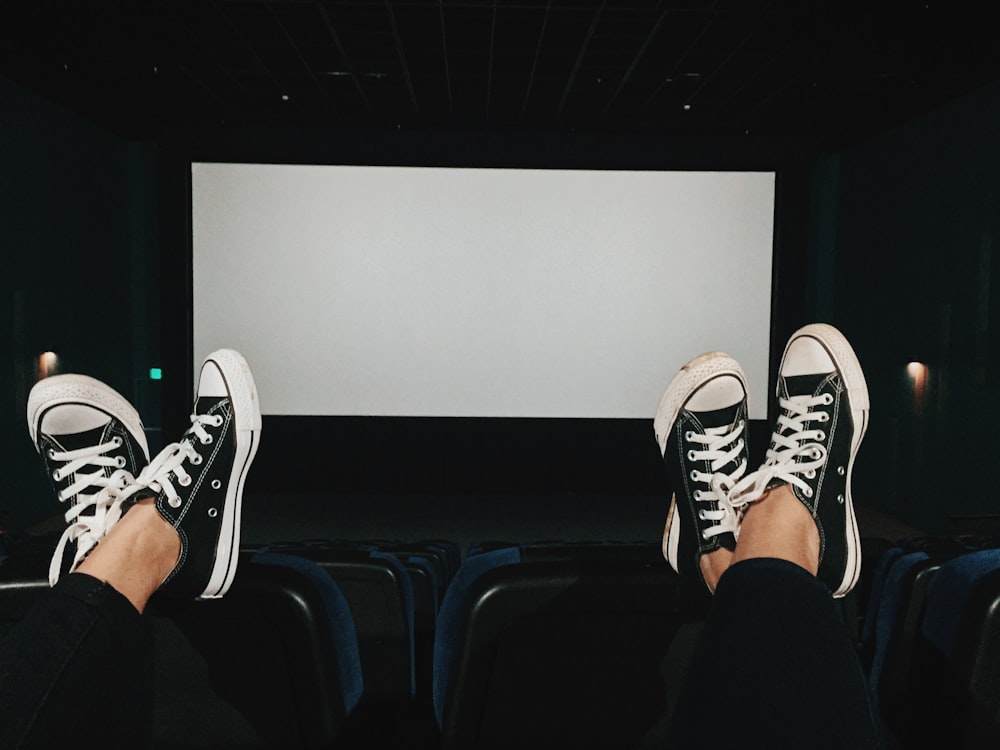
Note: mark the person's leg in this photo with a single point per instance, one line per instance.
(84, 646)
(83, 651)
(136, 556)
(774, 667)
(779, 526)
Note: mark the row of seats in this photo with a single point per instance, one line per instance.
(324, 644)
(931, 642)
(390, 644)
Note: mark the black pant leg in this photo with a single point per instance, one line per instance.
(77, 671)
(774, 668)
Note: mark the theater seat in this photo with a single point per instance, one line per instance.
(22, 578)
(898, 617)
(379, 593)
(955, 689)
(561, 646)
(274, 664)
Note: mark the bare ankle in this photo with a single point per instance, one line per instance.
(162, 545)
(713, 565)
(778, 525)
(136, 555)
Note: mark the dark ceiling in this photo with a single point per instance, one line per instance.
(832, 72)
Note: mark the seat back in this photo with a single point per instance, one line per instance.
(952, 693)
(273, 664)
(559, 646)
(897, 619)
(379, 591)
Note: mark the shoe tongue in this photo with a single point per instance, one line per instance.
(801, 385)
(718, 417)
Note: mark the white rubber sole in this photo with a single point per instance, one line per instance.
(247, 424)
(671, 535)
(853, 376)
(81, 389)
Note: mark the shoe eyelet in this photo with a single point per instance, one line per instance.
(691, 456)
(218, 420)
(816, 453)
(701, 515)
(689, 435)
(840, 499)
(120, 462)
(820, 435)
(697, 495)
(822, 417)
(841, 471)
(174, 502)
(184, 481)
(216, 484)
(808, 492)
(694, 476)
(810, 474)
(57, 475)
(827, 398)
(52, 453)
(196, 459)
(207, 441)
(213, 512)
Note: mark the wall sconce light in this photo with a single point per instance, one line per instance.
(917, 372)
(48, 364)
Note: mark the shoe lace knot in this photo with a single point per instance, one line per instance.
(95, 497)
(168, 467)
(722, 447)
(796, 452)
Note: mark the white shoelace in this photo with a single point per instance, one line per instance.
(796, 450)
(723, 445)
(90, 516)
(170, 460)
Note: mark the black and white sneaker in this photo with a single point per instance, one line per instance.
(92, 443)
(700, 426)
(198, 482)
(823, 413)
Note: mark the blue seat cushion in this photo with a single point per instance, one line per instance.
(454, 614)
(949, 595)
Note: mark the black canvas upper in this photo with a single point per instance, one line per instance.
(692, 543)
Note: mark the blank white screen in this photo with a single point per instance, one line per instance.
(403, 291)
